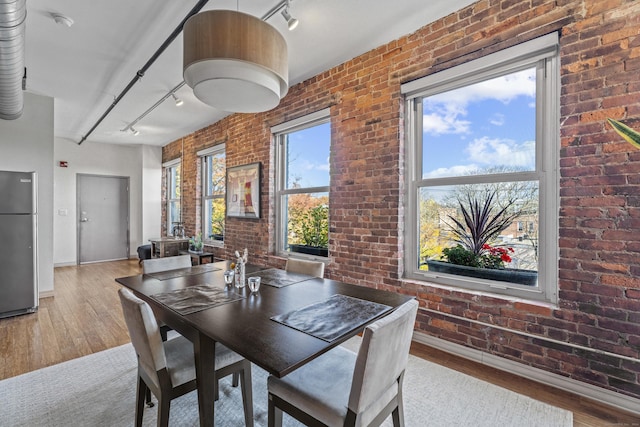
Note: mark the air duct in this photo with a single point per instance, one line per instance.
(12, 41)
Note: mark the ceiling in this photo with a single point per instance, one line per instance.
(85, 66)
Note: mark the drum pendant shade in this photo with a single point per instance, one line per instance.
(234, 61)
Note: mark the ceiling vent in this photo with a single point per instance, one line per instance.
(12, 40)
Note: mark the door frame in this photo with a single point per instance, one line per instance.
(79, 212)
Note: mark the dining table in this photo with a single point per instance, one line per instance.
(291, 320)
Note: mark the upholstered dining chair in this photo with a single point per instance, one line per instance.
(167, 368)
(344, 388)
(312, 268)
(157, 265)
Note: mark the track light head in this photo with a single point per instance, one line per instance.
(135, 132)
(292, 22)
(179, 101)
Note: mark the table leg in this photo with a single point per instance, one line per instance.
(204, 352)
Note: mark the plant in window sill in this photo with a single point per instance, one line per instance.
(473, 255)
(315, 232)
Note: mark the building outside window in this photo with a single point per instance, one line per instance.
(302, 185)
(482, 162)
(174, 222)
(213, 193)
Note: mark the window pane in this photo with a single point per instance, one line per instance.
(307, 157)
(442, 223)
(486, 127)
(214, 218)
(215, 175)
(174, 182)
(307, 219)
(174, 214)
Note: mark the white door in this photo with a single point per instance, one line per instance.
(103, 218)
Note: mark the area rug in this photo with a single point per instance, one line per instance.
(99, 390)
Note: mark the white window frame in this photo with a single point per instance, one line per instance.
(280, 133)
(205, 156)
(170, 167)
(543, 53)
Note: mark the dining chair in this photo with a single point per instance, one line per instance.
(342, 388)
(167, 368)
(157, 265)
(311, 268)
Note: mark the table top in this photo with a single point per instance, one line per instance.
(245, 326)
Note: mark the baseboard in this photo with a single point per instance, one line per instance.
(46, 294)
(65, 264)
(599, 394)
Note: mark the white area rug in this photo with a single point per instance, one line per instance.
(99, 390)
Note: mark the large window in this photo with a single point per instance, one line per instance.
(482, 159)
(302, 185)
(213, 193)
(174, 223)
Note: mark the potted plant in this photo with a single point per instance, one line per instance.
(196, 244)
(314, 231)
(475, 254)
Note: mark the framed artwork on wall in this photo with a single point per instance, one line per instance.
(243, 191)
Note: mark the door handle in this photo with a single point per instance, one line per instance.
(84, 219)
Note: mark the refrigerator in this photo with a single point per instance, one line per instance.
(18, 225)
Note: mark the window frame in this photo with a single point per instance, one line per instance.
(543, 53)
(280, 133)
(170, 168)
(205, 156)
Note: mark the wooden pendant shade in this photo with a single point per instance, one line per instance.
(234, 61)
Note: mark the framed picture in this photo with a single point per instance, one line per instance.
(243, 191)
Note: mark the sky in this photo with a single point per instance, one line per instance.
(309, 156)
(486, 124)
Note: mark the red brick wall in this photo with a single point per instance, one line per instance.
(599, 289)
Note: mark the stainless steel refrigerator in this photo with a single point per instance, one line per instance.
(18, 222)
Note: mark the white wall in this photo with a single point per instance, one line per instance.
(139, 163)
(26, 144)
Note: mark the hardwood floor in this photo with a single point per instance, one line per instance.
(85, 317)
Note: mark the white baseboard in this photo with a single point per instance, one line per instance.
(46, 294)
(65, 264)
(599, 394)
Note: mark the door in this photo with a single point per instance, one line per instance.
(17, 263)
(103, 218)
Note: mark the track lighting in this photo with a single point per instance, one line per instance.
(179, 101)
(292, 22)
(135, 132)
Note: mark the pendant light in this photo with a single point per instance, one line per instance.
(234, 61)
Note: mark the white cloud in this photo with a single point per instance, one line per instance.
(497, 119)
(502, 152)
(458, 170)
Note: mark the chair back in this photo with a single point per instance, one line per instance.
(144, 333)
(383, 356)
(156, 265)
(312, 268)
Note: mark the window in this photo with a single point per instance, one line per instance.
(482, 173)
(302, 185)
(174, 222)
(213, 193)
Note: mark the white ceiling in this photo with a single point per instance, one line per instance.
(84, 67)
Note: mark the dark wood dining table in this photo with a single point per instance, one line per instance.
(245, 325)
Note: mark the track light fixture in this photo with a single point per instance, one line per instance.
(292, 22)
(179, 101)
(135, 132)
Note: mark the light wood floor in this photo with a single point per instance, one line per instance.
(85, 317)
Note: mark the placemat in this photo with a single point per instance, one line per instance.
(333, 317)
(196, 298)
(280, 278)
(179, 272)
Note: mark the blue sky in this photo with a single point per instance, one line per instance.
(309, 155)
(486, 124)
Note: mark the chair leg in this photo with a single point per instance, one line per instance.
(274, 414)
(164, 405)
(398, 412)
(247, 393)
(142, 389)
(234, 379)
(147, 398)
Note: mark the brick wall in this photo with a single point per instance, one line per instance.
(599, 289)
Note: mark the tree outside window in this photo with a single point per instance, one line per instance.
(213, 195)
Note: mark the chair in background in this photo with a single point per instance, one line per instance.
(157, 265)
(144, 252)
(167, 367)
(344, 388)
(311, 268)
